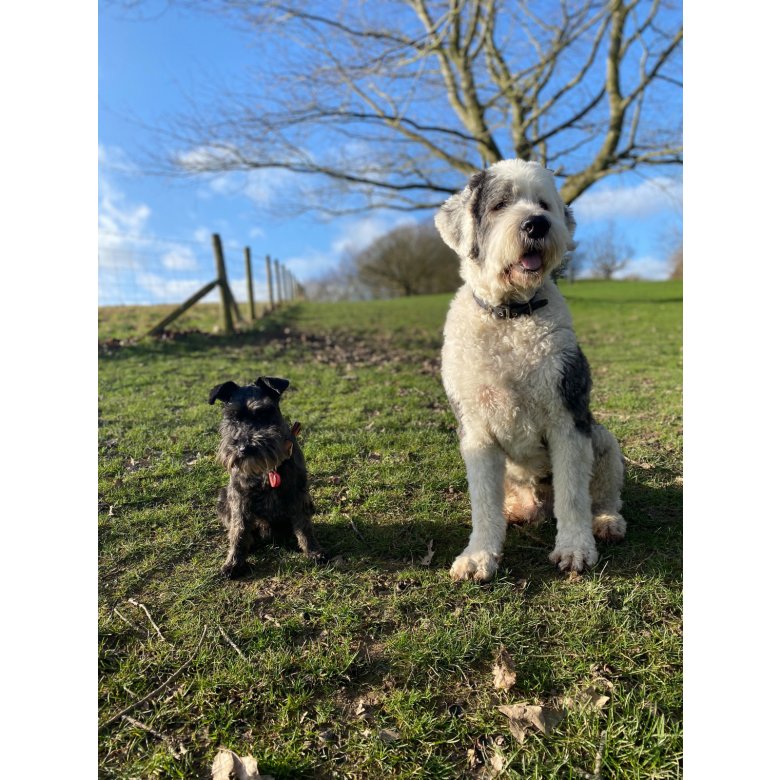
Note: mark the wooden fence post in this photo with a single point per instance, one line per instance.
(224, 291)
(279, 288)
(179, 310)
(269, 275)
(249, 287)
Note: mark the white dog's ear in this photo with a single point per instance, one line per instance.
(455, 219)
(571, 224)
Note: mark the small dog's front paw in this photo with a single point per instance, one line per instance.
(231, 570)
(318, 556)
(479, 565)
(609, 527)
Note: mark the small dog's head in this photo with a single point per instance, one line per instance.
(510, 229)
(255, 436)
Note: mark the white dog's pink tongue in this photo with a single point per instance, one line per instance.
(531, 262)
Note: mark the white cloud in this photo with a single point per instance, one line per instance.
(202, 235)
(116, 218)
(204, 156)
(180, 258)
(163, 289)
(358, 234)
(119, 222)
(640, 200)
(266, 185)
(115, 159)
(135, 266)
(313, 263)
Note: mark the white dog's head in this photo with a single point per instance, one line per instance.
(510, 229)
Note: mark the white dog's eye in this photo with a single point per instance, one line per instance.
(544, 205)
(500, 205)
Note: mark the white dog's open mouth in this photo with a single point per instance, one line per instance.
(529, 263)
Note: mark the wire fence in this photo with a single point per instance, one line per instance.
(140, 271)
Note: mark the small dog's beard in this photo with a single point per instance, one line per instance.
(265, 457)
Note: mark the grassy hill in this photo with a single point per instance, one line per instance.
(376, 665)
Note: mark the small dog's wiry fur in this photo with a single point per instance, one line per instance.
(268, 491)
(516, 378)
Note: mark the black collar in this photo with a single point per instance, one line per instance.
(508, 311)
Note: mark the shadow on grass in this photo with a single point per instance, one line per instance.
(263, 332)
(652, 547)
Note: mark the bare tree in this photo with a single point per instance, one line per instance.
(676, 263)
(572, 267)
(391, 104)
(606, 253)
(338, 284)
(409, 260)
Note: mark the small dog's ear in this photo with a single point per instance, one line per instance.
(223, 392)
(455, 219)
(276, 384)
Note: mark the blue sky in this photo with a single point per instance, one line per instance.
(155, 231)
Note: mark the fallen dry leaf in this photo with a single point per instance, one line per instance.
(518, 729)
(326, 736)
(364, 710)
(426, 561)
(497, 763)
(228, 765)
(593, 698)
(389, 735)
(504, 675)
(521, 716)
(589, 698)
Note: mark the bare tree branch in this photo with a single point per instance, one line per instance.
(389, 105)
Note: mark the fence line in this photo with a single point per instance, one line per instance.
(146, 277)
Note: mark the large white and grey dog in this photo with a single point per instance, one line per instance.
(516, 378)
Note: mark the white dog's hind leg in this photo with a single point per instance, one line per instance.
(485, 465)
(608, 523)
(571, 454)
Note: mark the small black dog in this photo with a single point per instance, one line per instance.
(268, 492)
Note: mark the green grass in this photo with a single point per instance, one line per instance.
(382, 451)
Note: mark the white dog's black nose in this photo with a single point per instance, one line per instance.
(536, 227)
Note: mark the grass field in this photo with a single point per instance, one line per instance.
(376, 665)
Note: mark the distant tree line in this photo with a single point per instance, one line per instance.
(413, 260)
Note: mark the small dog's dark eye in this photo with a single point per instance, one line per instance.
(543, 204)
(501, 205)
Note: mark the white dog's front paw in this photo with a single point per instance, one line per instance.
(609, 526)
(479, 565)
(574, 557)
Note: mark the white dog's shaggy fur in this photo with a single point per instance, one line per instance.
(517, 379)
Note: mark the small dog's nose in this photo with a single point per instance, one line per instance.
(536, 227)
(241, 449)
